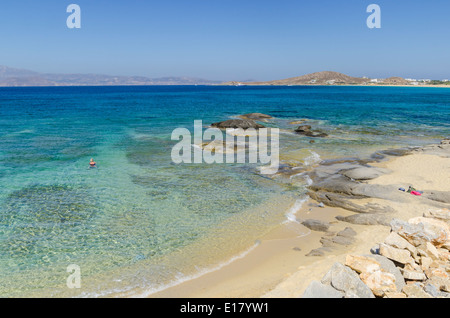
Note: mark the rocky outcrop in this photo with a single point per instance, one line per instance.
(344, 182)
(412, 262)
(306, 131)
(256, 116)
(237, 123)
(316, 225)
(331, 240)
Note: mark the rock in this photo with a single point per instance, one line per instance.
(318, 251)
(318, 290)
(414, 291)
(431, 289)
(306, 130)
(362, 264)
(298, 122)
(439, 196)
(347, 232)
(441, 214)
(416, 234)
(431, 251)
(440, 283)
(396, 152)
(346, 280)
(303, 129)
(238, 123)
(371, 273)
(396, 254)
(365, 219)
(316, 225)
(397, 241)
(255, 116)
(437, 272)
(364, 173)
(439, 230)
(327, 242)
(379, 282)
(413, 275)
(342, 240)
(388, 266)
(394, 295)
(425, 262)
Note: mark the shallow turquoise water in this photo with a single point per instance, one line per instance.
(139, 221)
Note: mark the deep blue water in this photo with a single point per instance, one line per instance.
(138, 212)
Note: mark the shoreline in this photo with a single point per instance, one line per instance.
(278, 266)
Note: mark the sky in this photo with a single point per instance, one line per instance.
(228, 39)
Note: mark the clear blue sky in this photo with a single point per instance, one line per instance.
(228, 39)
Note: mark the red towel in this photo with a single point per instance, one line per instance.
(416, 193)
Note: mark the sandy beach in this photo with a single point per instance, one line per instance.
(279, 266)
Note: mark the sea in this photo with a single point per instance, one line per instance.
(139, 222)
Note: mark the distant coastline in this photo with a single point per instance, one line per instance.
(13, 77)
(338, 79)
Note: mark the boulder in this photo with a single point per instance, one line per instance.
(342, 240)
(255, 116)
(379, 282)
(318, 251)
(364, 173)
(413, 275)
(414, 291)
(362, 264)
(439, 230)
(316, 225)
(346, 280)
(238, 123)
(372, 274)
(397, 241)
(388, 266)
(396, 254)
(414, 233)
(306, 130)
(347, 232)
(318, 290)
(365, 219)
(303, 129)
(439, 196)
(441, 214)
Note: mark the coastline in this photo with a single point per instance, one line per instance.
(279, 266)
(331, 85)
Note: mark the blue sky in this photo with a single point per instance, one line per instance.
(228, 39)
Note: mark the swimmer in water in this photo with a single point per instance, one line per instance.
(92, 164)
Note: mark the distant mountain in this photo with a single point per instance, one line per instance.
(18, 77)
(7, 72)
(319, 78)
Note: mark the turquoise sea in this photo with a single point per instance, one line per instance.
(139, 223)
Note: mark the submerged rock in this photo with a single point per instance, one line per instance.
(238, 123)
(306, 130)
(256, 116)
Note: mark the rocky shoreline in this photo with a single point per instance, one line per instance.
(412, 262)
(414, 259)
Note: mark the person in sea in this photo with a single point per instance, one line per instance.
(92, 164)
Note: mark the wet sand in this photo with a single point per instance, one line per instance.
(278, 255)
